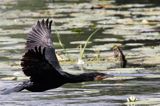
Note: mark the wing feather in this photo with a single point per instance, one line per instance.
(40, 35)
(35, 65)
(40, 58)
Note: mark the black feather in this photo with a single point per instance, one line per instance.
(40, 58)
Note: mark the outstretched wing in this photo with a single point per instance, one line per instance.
(35, 65)
(40, 55)
(40, 35)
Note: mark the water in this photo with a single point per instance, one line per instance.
(129, 25)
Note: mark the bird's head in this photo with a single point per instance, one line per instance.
(101, 76)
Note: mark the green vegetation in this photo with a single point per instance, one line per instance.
(85, 45)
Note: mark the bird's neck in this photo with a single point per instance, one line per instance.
(83, 77)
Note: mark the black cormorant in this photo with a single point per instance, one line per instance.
(41, 65)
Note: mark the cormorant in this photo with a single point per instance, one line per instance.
(40, 63)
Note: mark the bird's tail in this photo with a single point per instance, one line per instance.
(17, 88)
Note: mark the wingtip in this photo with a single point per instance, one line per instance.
(50, 24)
(38, 23)
(47, 20)
(43, 21)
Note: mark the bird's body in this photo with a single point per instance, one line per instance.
(41, 64)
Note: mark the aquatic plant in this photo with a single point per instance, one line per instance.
(132, 99)
(80, 61)
(86, 43)
(77, 30)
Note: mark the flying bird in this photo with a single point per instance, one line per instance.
(41, 65)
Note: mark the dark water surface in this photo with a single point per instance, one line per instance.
(134, 25)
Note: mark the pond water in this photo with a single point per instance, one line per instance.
(134, 26)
